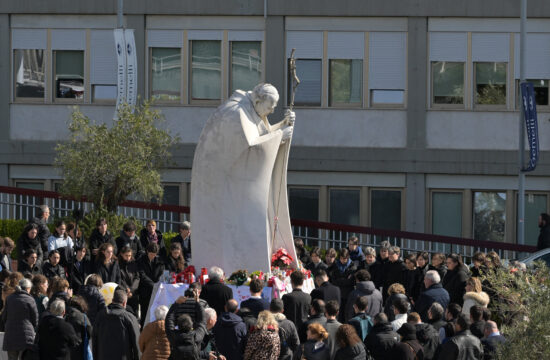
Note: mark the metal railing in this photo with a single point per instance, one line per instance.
(16, 203)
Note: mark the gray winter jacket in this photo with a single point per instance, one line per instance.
(365, 288)
(19, 321)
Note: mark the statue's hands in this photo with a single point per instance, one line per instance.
(287, 133)
(290, 117)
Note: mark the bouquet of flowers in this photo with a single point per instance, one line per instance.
(239, 277)
(281, 259)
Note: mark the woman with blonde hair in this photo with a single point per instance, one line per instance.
(395, 291)
(315, 348)
(263, 342)
(474, 295)
(153, 342)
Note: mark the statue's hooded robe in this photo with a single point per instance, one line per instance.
(238, 190)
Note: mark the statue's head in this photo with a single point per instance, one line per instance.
(265, 98)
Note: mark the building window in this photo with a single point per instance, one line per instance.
(206, 70)
(385, 209)
(69, 74)
(447, 214)
(448, 82)
(489, 216)
(303, 204)
(104, 92)
(344, 206)
(166, 74)
(309, 73)
(541, 92)
(29, 73)
(490, 80)
(346, 82)
(246, 65)
(387, 97)
(535, 204)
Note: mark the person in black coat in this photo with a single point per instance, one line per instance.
(76, 316)
(463, 343)
(129, 278)
(56, 337)
(317, 315)
(41, 220)
(129, 238)
(174, 260)
(214, 292)
(184, 239)
(409, 348)
(90, 292)
(491, 341)
(434, 293)
(116, 331)
(100, 235)
(78, 269)
(422, 265)
(19, 319)
(316, 264)
(343, 277)
(325, 290)
(151, 269)
(438, 264)
(106, 265)
(287, 331)
(543, 241)
(301, 252)
(29, 240)
(351, 347)
(297, 303)
(28, 265)
(381, 338)
(330, 260)
(52, 267)
(455, 279)
(150, 234)
(395, 269)
(230, 332)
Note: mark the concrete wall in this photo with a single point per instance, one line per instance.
(490, 8)
(479, 130)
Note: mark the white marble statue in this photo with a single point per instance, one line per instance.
(239, 207)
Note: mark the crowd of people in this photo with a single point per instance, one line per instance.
(365, 305)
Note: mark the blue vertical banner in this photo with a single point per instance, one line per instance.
(530, 111)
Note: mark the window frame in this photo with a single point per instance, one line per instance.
(403, 204)
(352, 188)
(343, 105)
(150, 74)
(464, 210)
(437, 106)
(230, 63)
(54, 97)
(499, 107)
(541, 108)
(207, 102)
(29, 100)
(289, 85)
(507, 216)
(375, 105)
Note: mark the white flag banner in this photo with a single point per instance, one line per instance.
(131, 67)
(120, 48)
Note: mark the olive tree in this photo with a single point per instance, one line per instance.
(105, 164)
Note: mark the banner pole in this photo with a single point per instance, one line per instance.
(521, 157)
